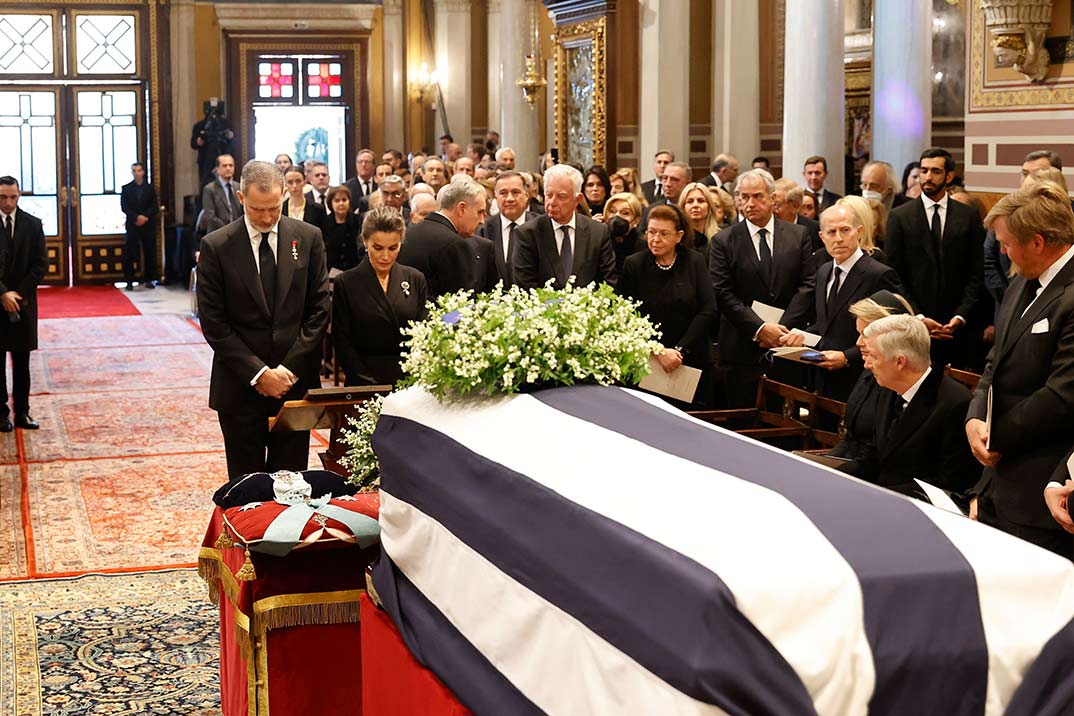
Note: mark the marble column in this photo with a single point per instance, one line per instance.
(519, 125)
(394, 91)
(665, 81)
(495, 48)
(452, 42)
(736, 84)
(186, 106)
(814, 108)
(902, 81)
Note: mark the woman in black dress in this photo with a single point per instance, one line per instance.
(340, 229)
(702, 213)
(622, 214)
(374, 301)
(673, 286)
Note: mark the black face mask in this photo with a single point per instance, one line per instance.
(619, 227)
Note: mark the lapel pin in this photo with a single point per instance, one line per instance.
(405, 285)
(294, 250)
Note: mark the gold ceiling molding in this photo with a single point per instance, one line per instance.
(981, 97)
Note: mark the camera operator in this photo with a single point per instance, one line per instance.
(211, 137)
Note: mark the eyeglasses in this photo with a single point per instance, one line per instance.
(665, 235)
(391, 194)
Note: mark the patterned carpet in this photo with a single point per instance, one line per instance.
(109, 644)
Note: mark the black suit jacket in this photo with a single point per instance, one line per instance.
(813, 227)
(537, 258)
(1030, 371)
(359, 199)
(492, 230)
(648, 188)
(709, 180)
(23, 263)
(244, 332)
(938, 289)
(735, 271)
(311, 213)
(484, 276)
(434, 248)
(138, 201)
(927, 443)
(367, 323)
(828, 198)
(214, 206)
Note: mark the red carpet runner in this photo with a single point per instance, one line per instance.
(83, 302)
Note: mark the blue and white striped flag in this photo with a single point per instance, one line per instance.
(594, 551)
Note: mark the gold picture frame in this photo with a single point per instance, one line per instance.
(573, 43)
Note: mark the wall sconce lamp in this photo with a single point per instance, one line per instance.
(423, 86)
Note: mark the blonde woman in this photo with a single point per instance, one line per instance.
(630, 182)
(864, 212)
(622, 214)
(702, 214)
(727, 205)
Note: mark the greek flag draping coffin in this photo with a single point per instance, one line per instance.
(593, 551)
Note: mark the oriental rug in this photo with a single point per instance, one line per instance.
(83, 302)
(88, 370)
(109, 644)
(13, 560)
(121, 331)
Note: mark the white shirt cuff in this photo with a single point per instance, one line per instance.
(1052, 484)
(758, 332)
(258, 376)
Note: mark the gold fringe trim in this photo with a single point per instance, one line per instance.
(246, 572)
(291, 610)
(224, 541)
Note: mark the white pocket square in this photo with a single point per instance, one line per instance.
(1040, 326)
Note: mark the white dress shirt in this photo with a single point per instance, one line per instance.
(844, 268)
(255, 246)
(942, 203)
(556, 226)
(754, 230)
(912, 390)
(1050, 273)
(505, 233)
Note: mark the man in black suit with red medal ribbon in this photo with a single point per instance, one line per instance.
(264, 305)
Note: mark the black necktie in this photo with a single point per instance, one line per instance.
(897, 410)
(368, 189)
(566, 257)
(268, 270)
(320, 200)
(7, 227)
(510, 242)
(833, 292)
(658, 191)
(766, 256)
(7, 236)
(1028, 295)
(230, 201)
(937, 231)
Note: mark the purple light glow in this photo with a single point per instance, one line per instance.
(900, 110)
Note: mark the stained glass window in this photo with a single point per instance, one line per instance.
(107, 146)
(323, 80)
(105, 44)
(26, 44)
(276, 80)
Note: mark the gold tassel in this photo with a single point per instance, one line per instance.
(224, 541)
(246, 573)
(306, 614)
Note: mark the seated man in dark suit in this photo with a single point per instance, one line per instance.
(436, 247)
(1028, 372)
(918, 433)
(563, 243)
(936, 245)
(761, 259)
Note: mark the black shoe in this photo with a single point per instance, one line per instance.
(26, 422)
(5, 425)
(130, 286)
(150, 284)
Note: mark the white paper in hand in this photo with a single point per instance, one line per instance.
(811, 339)
(679, 384)
(768, 314)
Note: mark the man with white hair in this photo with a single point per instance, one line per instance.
(435, 246)
(421, 206)
(505, 159)
(761, 260)
(918, 433)
(563, 243)
(878, 182)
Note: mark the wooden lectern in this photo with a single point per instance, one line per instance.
(326, 408)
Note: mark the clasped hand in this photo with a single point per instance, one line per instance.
(770, 334)
(10, 301)
(275, 382)
(1056, 499)
(941, 331)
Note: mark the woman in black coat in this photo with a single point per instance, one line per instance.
(341, 229)
(295, 205)
(672, 284)
(374, 301)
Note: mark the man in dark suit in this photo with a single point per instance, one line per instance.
(319, 184)
(937, 246)
(786, 201)
(918, 433)
(762, 259)
(220, 204)
(676, 177)
(436, 247)
(23, 263)
(363, 183)
(138, 201)
(652, 188)
(815, 172)
(392, 195)
(724, 172)
(263, 302)
(563, 243)
(847, 277)
(1030, 370)
(502, 228)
